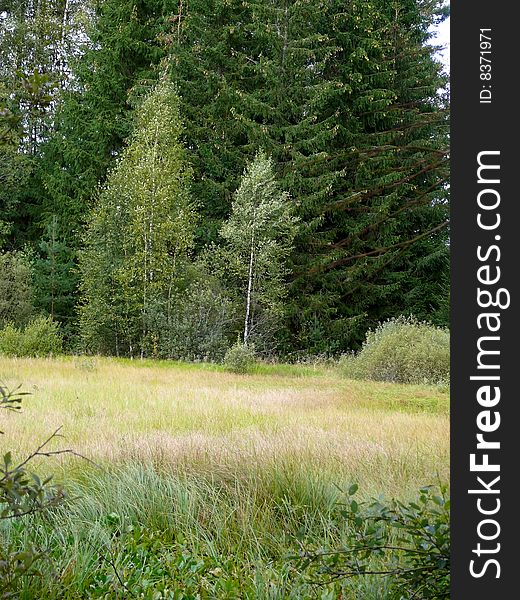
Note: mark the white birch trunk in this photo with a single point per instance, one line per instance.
(62, 58)
(249, 287)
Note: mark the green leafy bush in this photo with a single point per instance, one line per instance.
(41, 337)
(408, 543)
(402, 350)
(16, 290)
(199, 326)
(240, 358)
(137, 562)
(21, 494)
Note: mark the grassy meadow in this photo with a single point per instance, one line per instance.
(205, 480)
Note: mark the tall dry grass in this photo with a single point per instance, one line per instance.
(393, 438)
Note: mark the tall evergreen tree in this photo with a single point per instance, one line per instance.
(214, 50)
(139, 234)
(247, 75)
(380, 248)
(55, 289)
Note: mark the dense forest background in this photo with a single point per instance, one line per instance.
(176, 174)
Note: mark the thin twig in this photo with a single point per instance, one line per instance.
(39, 452)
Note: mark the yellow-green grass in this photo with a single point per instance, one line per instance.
(200, 419)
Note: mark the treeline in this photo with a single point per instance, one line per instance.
(177, 174)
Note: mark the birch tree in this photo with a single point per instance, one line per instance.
(140, 232)
(259, 236)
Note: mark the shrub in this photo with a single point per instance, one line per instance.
(199, 326)
(21, 494)
(240, 358)
(16, 291)
(410, 542)
(41, 337)
(402, 350)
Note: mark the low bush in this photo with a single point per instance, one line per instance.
(16, 289)
(199, 327)
(240, 358)
(41, 337)
(22, 494)
(402, 350)
(410, 542)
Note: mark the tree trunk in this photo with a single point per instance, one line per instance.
(249, 287)
(62, 51)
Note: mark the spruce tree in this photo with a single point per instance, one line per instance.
(214, 50)
(248, 75)
(380, 248)
(54, 280)
(139, 235)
